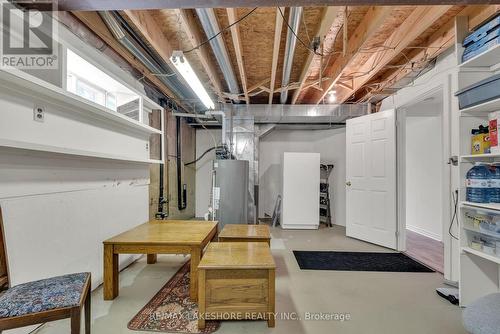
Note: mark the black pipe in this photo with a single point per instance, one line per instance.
(160, 214)
(181, 189)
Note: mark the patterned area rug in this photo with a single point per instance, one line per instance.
(171, 310)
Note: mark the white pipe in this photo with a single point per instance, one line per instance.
(223, 115)
(181, 114)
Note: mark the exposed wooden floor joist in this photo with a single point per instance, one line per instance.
(436, 44)
(329, 17)
(419, 20)
(188, 22)
(172, 4)
(235, 34)
(364, 50)
(276, 50)
(372, 21)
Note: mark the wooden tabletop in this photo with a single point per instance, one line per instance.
(245, 231)
(237, 255)
(171, 232)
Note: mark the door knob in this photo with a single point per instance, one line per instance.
(348, 183)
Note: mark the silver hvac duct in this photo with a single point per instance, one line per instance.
(156, 66)
(211, 28)
(287, 114)
(291, 42)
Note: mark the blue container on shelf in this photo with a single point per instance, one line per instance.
(481, 49)
(485, 37)
(495, 183)
(482, 31)
(480, 92)
(488, 42)
(478, 184)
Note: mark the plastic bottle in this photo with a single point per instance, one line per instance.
(495, 183)
(478, 184)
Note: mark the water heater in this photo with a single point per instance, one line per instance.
(231, 191)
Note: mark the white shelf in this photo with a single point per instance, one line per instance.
(489, 257)
(483, 108)
(485, 59)
(486, 206)
(73, 152)
(478, 157)
(33, 86)
(472, 229)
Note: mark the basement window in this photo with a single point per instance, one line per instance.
(93, 84)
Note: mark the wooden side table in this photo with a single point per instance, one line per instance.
(158, 237)
(245, 232)
(236, 281)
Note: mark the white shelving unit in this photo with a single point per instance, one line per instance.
(479, 271)
(479, 157)
(487, 59)
(32, 90)
(56, 150)
(494, 207)
(15, 79)
(483, 255)
(483, 108)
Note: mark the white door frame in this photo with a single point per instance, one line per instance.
(401, 165)
(401, 177)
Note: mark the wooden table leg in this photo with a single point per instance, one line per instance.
(193, 276)
(201, 299)
(87, 312)
(271, 305)
(110, 273)
(152, 258)
(75, 320)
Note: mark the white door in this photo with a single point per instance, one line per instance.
(371, 178)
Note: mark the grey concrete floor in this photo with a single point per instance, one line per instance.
(376, 302)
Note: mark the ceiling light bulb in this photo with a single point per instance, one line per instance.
(183, 67)
(332, 96)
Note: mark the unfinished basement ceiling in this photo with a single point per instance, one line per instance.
(364, 51)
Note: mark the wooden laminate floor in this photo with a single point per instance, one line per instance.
(426, 250)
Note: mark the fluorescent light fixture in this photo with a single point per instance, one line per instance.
(332, 96)
(183, 67)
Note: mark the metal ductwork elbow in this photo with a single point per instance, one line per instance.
(291, 42)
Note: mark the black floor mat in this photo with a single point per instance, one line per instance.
(358, 261)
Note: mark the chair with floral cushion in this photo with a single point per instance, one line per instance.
(47, 300)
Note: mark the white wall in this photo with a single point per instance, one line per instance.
(204, 141)
(331, 146)
(57, 209)
(424, 175)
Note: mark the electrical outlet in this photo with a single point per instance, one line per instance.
(147, 146)
(39, 114)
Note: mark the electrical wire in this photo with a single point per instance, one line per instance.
(201, 156)
(220, 32)
(453, 218)
(372, 49)
(296, 36)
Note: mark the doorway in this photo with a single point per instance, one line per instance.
(423, 176)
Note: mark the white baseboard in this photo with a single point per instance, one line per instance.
(425, 233)
(300, 227)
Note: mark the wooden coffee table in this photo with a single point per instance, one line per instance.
(236, 279)
(245, 232)
(158, 237)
